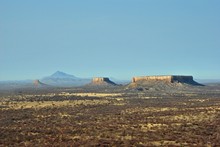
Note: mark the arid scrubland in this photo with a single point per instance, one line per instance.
(109, 119)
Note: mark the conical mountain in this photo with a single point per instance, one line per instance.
(62, 79)
(62, 75)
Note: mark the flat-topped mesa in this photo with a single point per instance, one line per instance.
(169, 78)
(102, 81)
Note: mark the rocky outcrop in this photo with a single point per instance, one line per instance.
(168, 79)
(152, 78)
(168, 83)
(102, 81)
(37, 83)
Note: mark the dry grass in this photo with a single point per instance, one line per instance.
(102, 119)
(42, 104)
(91, 94)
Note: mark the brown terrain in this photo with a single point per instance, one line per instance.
(150, 111)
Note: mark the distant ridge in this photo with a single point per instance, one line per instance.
(61, 79)
(209, 81)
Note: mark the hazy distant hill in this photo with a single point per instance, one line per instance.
(119, 81)
(64, 80)
(208, 81)
(15, 84)
(7, 85)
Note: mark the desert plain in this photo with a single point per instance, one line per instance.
(111, 116)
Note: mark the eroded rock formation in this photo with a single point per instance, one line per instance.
(37, 83)
(102, 81)
(168, 78)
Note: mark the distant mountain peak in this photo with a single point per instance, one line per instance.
(60, 74)
(60, 78)
(57, 73)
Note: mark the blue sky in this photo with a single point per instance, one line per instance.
(115, 38)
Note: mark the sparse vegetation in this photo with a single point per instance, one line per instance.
(110, 120)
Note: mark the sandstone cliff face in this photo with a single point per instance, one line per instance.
(155, 78)
(169, 83)
(169, 79)
(102, 81)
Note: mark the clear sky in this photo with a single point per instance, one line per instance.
(114, 38)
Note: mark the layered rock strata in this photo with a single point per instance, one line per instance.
(168, 78)
(102, 81)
